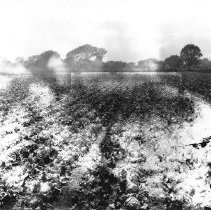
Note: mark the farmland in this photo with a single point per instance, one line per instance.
(105, 141)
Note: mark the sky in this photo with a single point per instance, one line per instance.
(130, 30)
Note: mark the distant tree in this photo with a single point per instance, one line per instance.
(32, 60)
(115, 66)
(45, 57)
(160, 66)
(38, 64)
(130, 66)
(42, 59)
(172, 63)
(150, 64)
(205, 64)
(190, 55)
(86, 52)
(85, 57)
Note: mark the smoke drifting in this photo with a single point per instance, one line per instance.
(119, 42)
(57, 64)
(8, 67)
(129, 30)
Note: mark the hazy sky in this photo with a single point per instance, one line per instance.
(129, 29)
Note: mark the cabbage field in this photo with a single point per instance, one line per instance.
(105, 141)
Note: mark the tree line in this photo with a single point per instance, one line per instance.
(88, 58)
